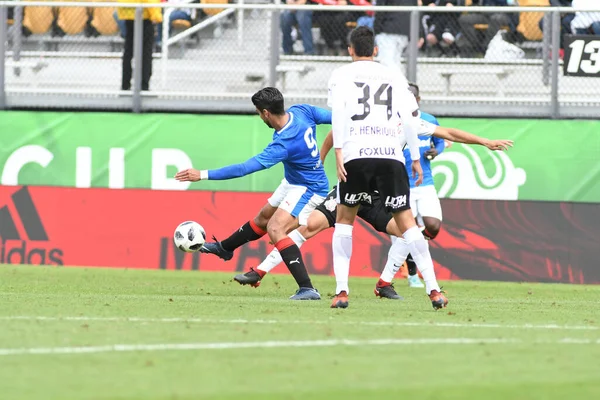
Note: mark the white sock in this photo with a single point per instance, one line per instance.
(396, 256)
(274, 258)
(419, 249)
(341, 244)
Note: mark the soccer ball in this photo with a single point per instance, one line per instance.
(189, 236)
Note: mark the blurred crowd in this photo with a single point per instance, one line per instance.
(441, 34)
(467, 34)
(497, 35)
(96, 21)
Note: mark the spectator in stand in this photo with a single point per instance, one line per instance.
(333, 25)
(367, 18)
(151, 16)
(392, 30)
(471, 41)
(565, 23)
(441, 28)
(120, 24)
(184, 14)
(586, 23)
(304, 20)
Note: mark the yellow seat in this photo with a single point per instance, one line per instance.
(180, 24)
(528, 21)
(38, 19)
(213, 11)
(103, 20)
(483, 27)
(72, 20)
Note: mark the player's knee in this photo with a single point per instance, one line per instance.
(404, 220)
(311, 229)
(264, 216)
(305, 231)
(276, 231)
(261, 221)
(392, 228)
(432, 228)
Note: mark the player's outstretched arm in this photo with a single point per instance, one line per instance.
(229, 172)
(456, 135)
(273, 154)
(326, 146)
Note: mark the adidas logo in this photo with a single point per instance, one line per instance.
(15, 241)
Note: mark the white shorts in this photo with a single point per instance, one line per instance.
(299, 201)
(424, 202)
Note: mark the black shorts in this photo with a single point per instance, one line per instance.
(371, 212)
(367, 175)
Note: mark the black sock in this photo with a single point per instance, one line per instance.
(293, 260)
(247, 233)
(412, 266)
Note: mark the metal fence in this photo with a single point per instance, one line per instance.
(212, 56)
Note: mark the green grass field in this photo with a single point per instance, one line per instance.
(69, 333)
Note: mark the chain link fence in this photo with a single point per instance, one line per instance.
(212, 55)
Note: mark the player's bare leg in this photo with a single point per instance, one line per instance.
(431, 229)
(250, 231)
(317, 222)
(414, 242)
(278, 226)
(341, 244)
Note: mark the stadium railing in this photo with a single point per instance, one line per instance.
(67, 55)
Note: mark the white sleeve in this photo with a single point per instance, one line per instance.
(330, 86)
(338, 111)
(426, 128)
(407, 105)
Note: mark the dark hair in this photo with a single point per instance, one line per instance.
(269, 98)
(414, 88)
(362, 40)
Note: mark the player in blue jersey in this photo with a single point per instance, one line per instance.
(304, 185)
(424, 201)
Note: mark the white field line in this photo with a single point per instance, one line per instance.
(296, 322)
(201, 297)
(120, 348)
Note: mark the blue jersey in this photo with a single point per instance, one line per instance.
(295, 145)
(424, 145)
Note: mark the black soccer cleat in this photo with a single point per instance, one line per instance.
(217, 249)
(387, 292)
(251, 278)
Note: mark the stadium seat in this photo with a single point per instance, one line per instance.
(528, 21)
(38, 19)
(72, 20)
(103, 21)
(213, 11)
(481, 27)
(180, 24)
